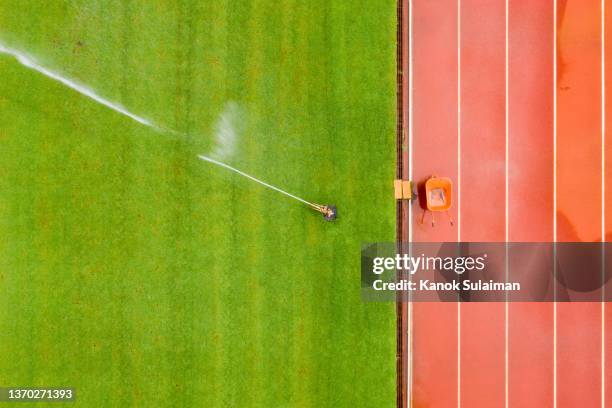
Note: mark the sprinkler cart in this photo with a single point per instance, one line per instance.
(438, 191)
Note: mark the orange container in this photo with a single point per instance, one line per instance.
(439, 193)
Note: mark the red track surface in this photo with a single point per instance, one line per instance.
(490, 355)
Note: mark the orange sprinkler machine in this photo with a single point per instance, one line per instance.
(439, 197)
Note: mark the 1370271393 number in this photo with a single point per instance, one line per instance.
(36, 394)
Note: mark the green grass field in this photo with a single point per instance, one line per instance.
(142, 276)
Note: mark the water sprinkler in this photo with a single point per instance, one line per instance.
(329, 211)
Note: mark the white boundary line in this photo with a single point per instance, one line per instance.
(410, 380)
(458, 192)
(410, 108)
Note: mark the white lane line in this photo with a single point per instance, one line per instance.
(459, 354)
(603, 208)
(506, 325)
(554, 203)
(506, 127)
(459, 120)
(603, 351)
(603, 122)
(458, 192)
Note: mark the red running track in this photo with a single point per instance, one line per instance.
(514, 115)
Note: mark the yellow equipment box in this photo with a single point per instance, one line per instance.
(403, 189)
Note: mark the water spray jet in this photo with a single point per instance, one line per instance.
(329, 211)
